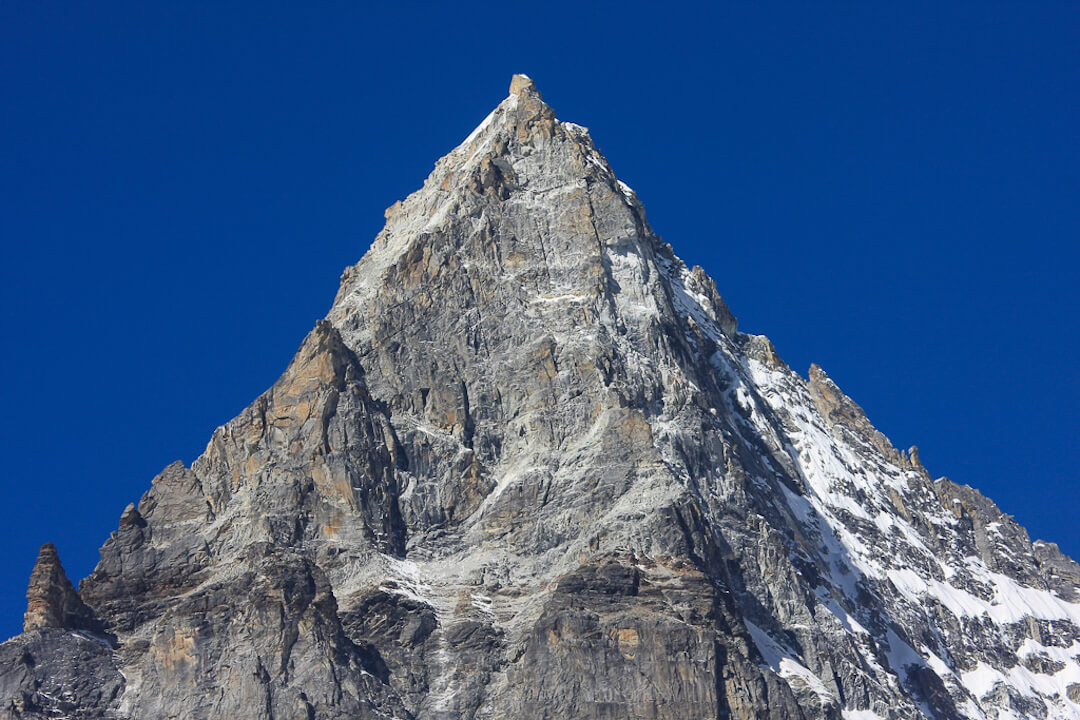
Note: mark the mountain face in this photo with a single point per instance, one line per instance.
(528, 467)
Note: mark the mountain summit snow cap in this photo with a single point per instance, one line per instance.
(521, 84)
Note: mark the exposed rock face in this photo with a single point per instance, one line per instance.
(529, 467)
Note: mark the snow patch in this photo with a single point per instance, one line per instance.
(781, 661)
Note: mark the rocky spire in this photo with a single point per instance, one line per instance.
(51, 599)
(521, 84)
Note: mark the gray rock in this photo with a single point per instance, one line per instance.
(51, 672)
(529, 467)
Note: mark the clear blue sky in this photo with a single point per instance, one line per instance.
(887, 189)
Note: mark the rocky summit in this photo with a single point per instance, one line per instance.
(529, 467)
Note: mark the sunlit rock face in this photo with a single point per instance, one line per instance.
(528, 467)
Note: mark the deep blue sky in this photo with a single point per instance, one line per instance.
(888, 189)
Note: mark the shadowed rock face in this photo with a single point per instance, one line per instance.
(529, 467)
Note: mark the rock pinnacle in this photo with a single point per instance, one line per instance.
(521, 84)
(51, 599)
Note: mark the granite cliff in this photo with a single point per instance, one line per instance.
(529, 467)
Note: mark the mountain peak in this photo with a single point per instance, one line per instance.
(526, 198)
(521, 84)
(529, 466)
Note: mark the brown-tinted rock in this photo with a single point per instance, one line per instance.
(51, 600)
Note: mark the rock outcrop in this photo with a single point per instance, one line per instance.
(528, 466)
(51, 599)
